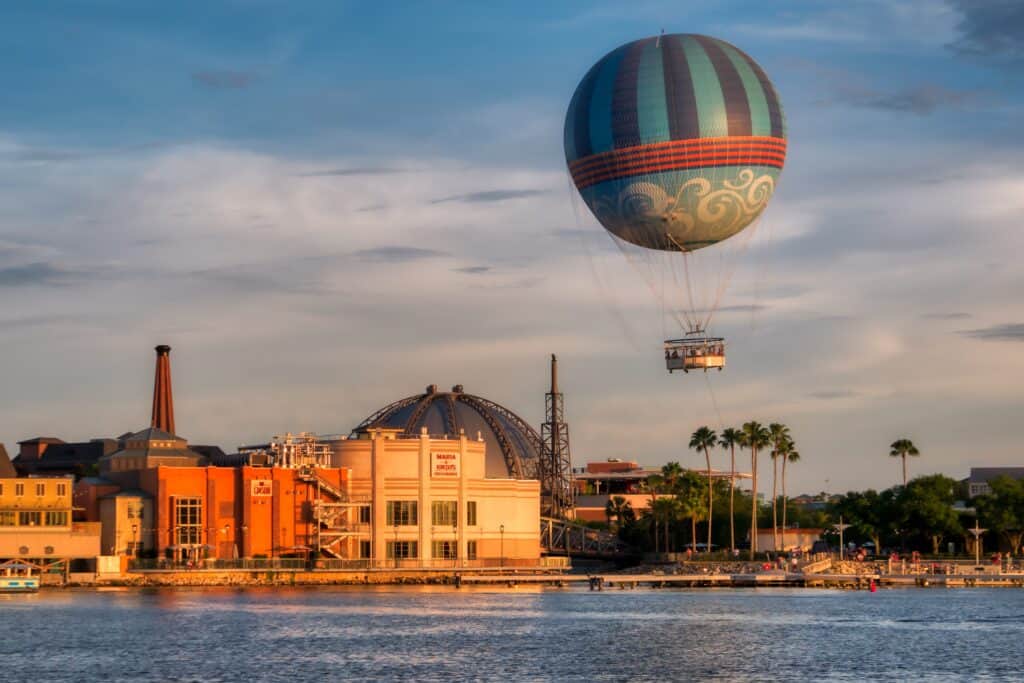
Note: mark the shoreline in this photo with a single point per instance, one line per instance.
(597, 581)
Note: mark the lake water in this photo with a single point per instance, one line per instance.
(518, 634)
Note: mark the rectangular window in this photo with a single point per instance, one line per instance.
(30, 518)
(444, 513)
(364, 550)
(19, 489)
(471, 513)
(8, 518)
(62, 489)
(188, 521)
(364, 514)
(471, 550)
(57, 518)
(40, 490)
(402, 513)
(1, 489)
(445, 550)
(402, 550)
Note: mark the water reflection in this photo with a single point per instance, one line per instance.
(569, 634)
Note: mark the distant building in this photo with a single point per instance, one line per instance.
(810, 503)
(789, 539)
(382, 496)
(51, 457)
(599, 482)
(978, 481)
(7, 470)
(147, 449)
(36, 524)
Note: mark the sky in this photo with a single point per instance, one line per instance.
(325, 207)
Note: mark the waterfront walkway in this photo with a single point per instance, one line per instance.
(763, 579)
(541, 577)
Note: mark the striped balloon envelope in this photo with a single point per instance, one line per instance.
(675, 142)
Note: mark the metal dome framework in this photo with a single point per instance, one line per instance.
(522, 463)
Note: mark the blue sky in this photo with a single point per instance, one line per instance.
(326, 206)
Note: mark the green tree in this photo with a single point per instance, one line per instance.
(665, 511)
(926, 510)
(869, 514)
(901, 448)
(729, 439)
(1002, 510)
(755, 437)
(692, 503)
(701, 440)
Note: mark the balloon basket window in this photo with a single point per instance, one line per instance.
(695, 353)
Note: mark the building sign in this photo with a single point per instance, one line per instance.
(261, 488)
(444, 464)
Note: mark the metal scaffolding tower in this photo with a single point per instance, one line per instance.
(555, 466)
(335, 513)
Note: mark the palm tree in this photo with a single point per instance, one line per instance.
(701, 440)
(671, 473)
(788, 454)
(729, 439)
(755, 437)
(901, 448)
(779, 434)
(619, 509)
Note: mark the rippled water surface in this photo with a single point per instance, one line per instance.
(521, 634)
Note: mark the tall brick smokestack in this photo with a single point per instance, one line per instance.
(163, 401)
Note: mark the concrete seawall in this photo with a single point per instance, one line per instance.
(203, 577)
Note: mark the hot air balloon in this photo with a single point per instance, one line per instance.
(675, 144)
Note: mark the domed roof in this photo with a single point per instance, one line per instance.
(513, 446)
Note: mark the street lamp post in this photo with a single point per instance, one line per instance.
(394, 546)
(501, 552)
(977, 532)
(841, 528)
(455, 544)
(135, 540)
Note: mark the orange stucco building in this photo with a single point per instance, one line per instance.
(155, 497)
(235, 511)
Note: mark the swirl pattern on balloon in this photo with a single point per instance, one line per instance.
(700, 213)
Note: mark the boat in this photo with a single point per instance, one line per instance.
(19, 577)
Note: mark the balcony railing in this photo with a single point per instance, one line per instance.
(255, 564)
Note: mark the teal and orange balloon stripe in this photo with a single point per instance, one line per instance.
(675, 156)
(678, 146)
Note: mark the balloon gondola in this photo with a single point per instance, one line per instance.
(695, 352)
(675, 144)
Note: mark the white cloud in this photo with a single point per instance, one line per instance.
(250, 268)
